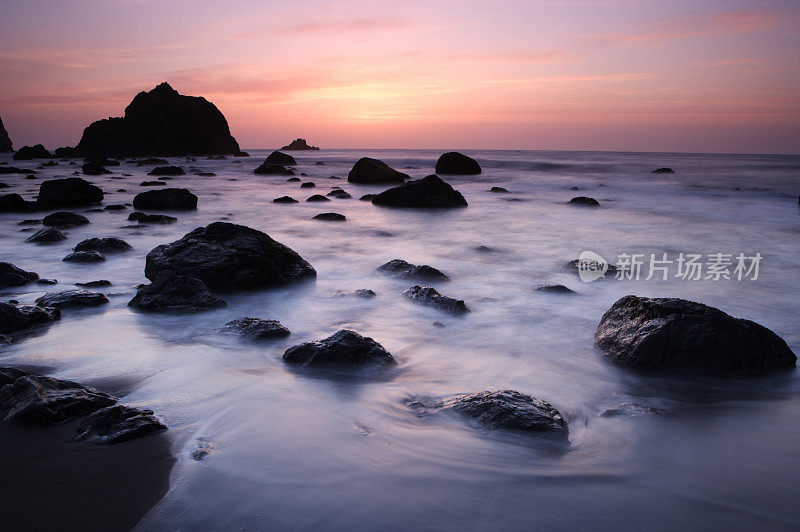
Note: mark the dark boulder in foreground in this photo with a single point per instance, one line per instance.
(169, 199)
(272, 169)
(583, 201)
(330, 217)
(406, 270)
(64, 220)
(457, 163)
(430, 192)
(285, 199)
(13, 318)
(280, 159)
(161, 122)
(94, 169)
(299, 144)
(45, 400)
(103, 245)
(118, 423)
(167, 170)
(343, 349)
(368, 171)
(10, 275)
(663, 171)
(170, 292)
(507, 410)
(69, 192)
(84, 257)
(72, 298)
(48, 235)
(144, 218)
(676, 336)
(27, 153)
(256, 328)
(554, 289)
(229, 256)
(425, 295)
(5, 141)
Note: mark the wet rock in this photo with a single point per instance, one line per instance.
(368, 171)
(630, 410)
(498, 190)
(103, 245)
(95, 284)
(676, 336)
(367, 197)
(72, 298)
(170, 292)
(118, 423)
(426, 295)
(457, 163)
(204, 449)
(365, 293)
(554, 289)
(229, 256)
(17, 318)
(343, 349)
(317, 197)
(280, 159)
(45, 400)
(285, 199)
(161, 122)
(406, 270)
(272, 169)
(339, 194)
(27, 153)
(429, 192)
(84, 257)
(94, 169)
(255, 328)
(152, 184)
(5, 141)
(47, 235)
(69, 192)
(64, 220)
(167, 170)
(293, 180)
(583, 201)
(9, 375)
(15, 203)
(10, 275)
(663, 171)
(299, 144)
(330, 217)
(169, 199)
(144, 218)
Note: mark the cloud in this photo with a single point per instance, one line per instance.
(333, 26)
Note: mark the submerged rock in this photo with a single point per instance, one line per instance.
(280, 159)
(364, 293)
(429, 192)
(84, 257)
(308, 184)
(152, 184)
(69, 192)
(457, 163)
(343, 349)
(370, 171)
(64, 220)
(330, 217)
(144, 218)
(554, 289)
(256, 328)
(317, 197)
(426, 295)
(339, 194)
(168, 199)
(118, 423)
(170, 292)
(45, 400)
(498, 190)
(229, 256)
(14, 318)
(27, 153)
(47, 235)
(406, 270)
(72, 298)
(103, 245)
(167, 170)
(630, 410)
(299, 144)
(285, 199)
(94, 169)
(583, 201)
(10, 275)
(95, 284)
(676, 336)
(663, 171)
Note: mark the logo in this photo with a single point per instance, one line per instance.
(591, 266)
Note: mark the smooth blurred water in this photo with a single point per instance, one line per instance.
(303, 451)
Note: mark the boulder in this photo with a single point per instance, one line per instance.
(317, 198)
(330, 217)
(583, 201)
(229, 256)
(285, 199)
(103, 245)
(84, 257)
(343, 349)
(144, 218)
(299, 144)
(170, 292)
(170, 199)
(118, 423)
(72, 298)
(272, 169)
(339, 194)
(308, 184)
(256, 328)
(45, 400)
(10, 275)
(369, 171)
(457, 163)
(5, 141)
(676, 336)
(293, 180)
(663, 171)
(498, 190)
(406, 270)
(14, 318)
(280, 159)
(48, 235)
(64, 220)
(27, 153)
(167, 170)
(161, 122)
(430, 192)
(425, 295)
(94, 169)
(69, 192)
(66, 151)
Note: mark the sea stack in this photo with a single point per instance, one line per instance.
(161, 122)
(5, 142)
(299, 144)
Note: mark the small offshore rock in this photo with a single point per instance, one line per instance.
(370, 171)
(103, 245)
(345, 348)
(664, 170)
(69, 192)
(406, 270)
(554, 289)
(95, 284)
(256, 328)
(118, 423)
(167, 170)
(317, 197)
(84, 257)
(47, 235)
(430, 192)
(64, 220)
(144, 218)
(427, 295)
(285, 199)
(498, 190)
(280, 159)
(457, 163)
(10, 275)
(330, 217)
(72, 298)
(583, 201)
(165, 200)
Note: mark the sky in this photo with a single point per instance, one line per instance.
(631, 75)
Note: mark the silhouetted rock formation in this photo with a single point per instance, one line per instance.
(161, 122)
(170, 292)
(280, 159)
(457, 163)
(167, 170)
(299, 144)
(429, 192)
(173, 199)
(27, 153)
(343, 349)
(5, 141)
(70, 192)
(285, 199)
(676, 336)
(66, 151)
(370, 171)
(94, 169)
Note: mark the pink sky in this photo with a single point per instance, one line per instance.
(644, 75)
